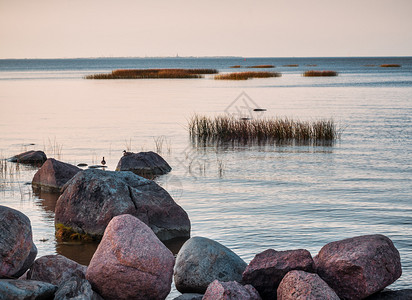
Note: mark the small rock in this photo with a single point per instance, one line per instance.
(189, 296)
(93, 197)
(360, 266)
(143, 164)
(54, 269)
(231, 290)
(25, 289)
(201, 261)
(130, 262)
(30, 157)
(302, 285)
(17, 250)
(266, 270)
(53, 174)
(76, 287)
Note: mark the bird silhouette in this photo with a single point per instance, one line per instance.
(103, 162)
(125, 153)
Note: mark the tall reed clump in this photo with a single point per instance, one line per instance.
(390, 66)
(228, 128)
(261, 66)
(315, 73)
(153, 73)
(246, 75)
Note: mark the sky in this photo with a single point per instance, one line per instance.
(266, 28)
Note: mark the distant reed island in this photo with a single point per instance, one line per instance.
(228, 128)
(153, 73)
(390, 66)
(318, 73)
(246, 75)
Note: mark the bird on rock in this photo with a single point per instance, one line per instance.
(103, 162)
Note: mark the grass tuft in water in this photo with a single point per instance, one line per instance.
(246, 75)
(153, 73)
(261, 66)
(67, 233)
(228, 128)
(315, 73)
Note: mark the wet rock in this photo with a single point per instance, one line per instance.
(53, 174)
(266, 270)
(201, 261)
(93, 197)
(55, 269)
(17, 250)
(231, 290)
(143, 164)
(360, 266)
(189, 296)
(25, 289)
(131, 262)
(30, 157)
(302, 285)
(76, 287)
(392, 295)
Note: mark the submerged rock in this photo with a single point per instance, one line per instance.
(266, 270)
(201, 261)
(143, 164)
(189, 296)
(231, 290)
(360, 266)
(17, 250)
(392, 295)
(303, 285)
(30, 157)
(53, 174)
(131, 262)
(93, 197)
(26, 289)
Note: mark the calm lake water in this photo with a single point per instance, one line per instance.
(249, 198)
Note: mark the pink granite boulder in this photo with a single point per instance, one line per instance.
(267, 269)
(93, 197)
(304, 286)
(53, 174)
(55, 269)
(131, 262)
(231, 290)
(17, 250)
(360, 266)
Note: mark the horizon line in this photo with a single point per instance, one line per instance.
(205, 56)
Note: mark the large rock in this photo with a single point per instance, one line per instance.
(30, 157)
(189, 296)
(17, 250)
(131, 262)
(266, 270)
(55, 269)
(358, 267)
(93, 197)
(392, 295)
(143, 163)
(302, 285)
(53, 174)
(231, 290)
(25, 289)
(201, 261)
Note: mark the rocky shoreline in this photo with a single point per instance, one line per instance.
(133, 216)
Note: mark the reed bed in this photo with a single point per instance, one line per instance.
(153, 73)
(261, 66)
(316, 73)
(235, 67)
(292, 65)
(390, 66)
(246, 75)
(228, 128)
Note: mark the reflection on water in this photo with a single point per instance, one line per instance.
(80, 252)
(47, 201)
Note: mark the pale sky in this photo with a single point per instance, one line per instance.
(267, 28)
